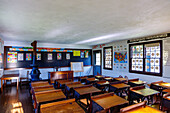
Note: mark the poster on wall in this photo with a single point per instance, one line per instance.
(86, 54)
(50, 56)
(76, 53)
(28, 56)
(38, 56)
(20, 56)
(68, 56)
(59, 56)
(82, 55)
(12, 57)
(0, 58)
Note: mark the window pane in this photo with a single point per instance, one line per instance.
(108, 57)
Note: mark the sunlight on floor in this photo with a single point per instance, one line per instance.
(17, 108)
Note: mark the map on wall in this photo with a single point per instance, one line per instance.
(12, 57)
(120, 57)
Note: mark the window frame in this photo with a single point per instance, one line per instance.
(144, 53)
(111, 58)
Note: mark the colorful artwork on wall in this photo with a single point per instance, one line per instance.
(120, 57)
(82, 55)
(59, 56)
(0, 58)
(50, 56)
(76, 53)
(28, 56)
(86, 54)
(68, 56)
(12, 57)
(38, 56)
(20, 56)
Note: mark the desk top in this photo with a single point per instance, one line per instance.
(146, 109)
(75, 85)
(108, 78)
(163, 84)
(46, 96)
(103, 83)
(119, 86)
(39, 84)
(87, 90)
(62, 82)
(138, 82)
(166, 90)
(145, 92)
(120, 79)
(107, 101)
(10, 76)
(65, 106)
(45, 88)
(92, 79)
(99, 76)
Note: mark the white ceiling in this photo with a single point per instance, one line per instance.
(88, 22)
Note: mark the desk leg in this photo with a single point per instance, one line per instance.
(1, 85)
(17, 83)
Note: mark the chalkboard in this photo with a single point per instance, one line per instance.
(44, 62)
(77, 66)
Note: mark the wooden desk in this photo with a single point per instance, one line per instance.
(146, 92)
(102, 85)
(65, 106)
(71, 85)
(163, 85)
(39, 84)
(62, 82)
(146, 109)
(91, 80)
(119, 88)
(85, 92)
(136, 83)
(166, 91)
(120, 79)
(99, 76)
(9, 77)
(106, 101)
(48, 96)
(43, 88)
(108, 78)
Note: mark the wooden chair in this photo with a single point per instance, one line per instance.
(120, 76)
(23, 78)
(133, 96)
(126, 109)
(165, 105)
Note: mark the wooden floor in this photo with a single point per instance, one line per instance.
(13, 102)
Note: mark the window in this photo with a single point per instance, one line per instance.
(98, 59)
(146, 58)
(108, 60)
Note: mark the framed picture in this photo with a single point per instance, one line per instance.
(12, 57)
(50, 56)
(59, 56)
(82, 55)
(86, 54)
(20, 56)
(68, 56)
(28, 56)
(38, 56)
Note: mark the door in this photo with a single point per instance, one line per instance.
(97, 61)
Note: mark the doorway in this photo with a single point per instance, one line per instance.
(97, 62)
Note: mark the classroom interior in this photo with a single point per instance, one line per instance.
(85, 56)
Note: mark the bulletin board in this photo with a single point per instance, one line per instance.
(77, 66)
(59, 59)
